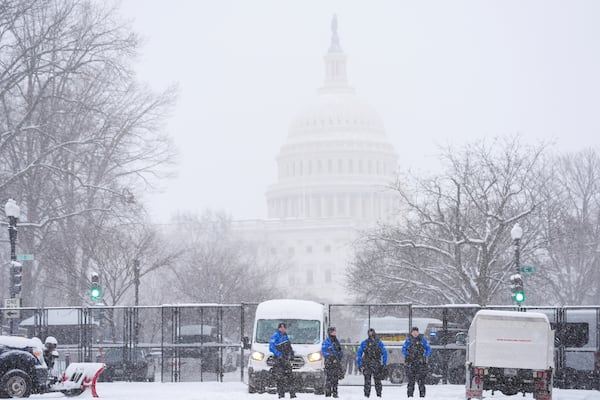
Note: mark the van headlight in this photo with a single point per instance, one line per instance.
(257, 355)
(315, 356)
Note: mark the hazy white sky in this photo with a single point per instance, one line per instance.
(436, 71)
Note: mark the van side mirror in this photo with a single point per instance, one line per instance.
(246, 343)
(461, 338)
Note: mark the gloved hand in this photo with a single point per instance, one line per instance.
(361, 369)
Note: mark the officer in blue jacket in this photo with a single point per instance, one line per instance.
(281, 347)
(372, 359)
(416, 349)
(332, 352)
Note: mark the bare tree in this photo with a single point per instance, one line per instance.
(451, 244)
(78, 135)
(218, 266)
(569, 261)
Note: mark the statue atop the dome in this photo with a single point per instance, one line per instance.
(335, 40)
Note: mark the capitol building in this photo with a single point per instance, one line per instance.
(334, 174)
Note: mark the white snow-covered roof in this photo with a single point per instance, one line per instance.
(57, 317)
(18, 342)
(197, 329)
(505, 314)
(399, 325)
(289, 309)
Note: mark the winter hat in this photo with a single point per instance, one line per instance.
(331, 330)
(414, 329)
(371, 332)
(281, 325)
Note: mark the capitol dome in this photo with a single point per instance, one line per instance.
(343, 113)
(337, 160)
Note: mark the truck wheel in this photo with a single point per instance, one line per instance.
(509, 391)
(16, 383)
(397, 375)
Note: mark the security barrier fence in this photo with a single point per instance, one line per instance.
(203, 342)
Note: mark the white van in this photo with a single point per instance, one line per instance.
(306, 325)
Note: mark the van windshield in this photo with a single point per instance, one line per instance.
(300, 331)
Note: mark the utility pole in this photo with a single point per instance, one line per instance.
(13, 212)
(136, 280)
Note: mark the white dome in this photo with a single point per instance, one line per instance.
(335, 113)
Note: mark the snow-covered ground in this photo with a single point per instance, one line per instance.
(238, 391)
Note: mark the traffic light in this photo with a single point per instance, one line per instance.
(516, 286)
(16, 277)
(95, 289)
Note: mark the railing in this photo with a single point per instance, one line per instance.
(202, 342)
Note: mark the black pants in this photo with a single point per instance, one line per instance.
(333, 372)
(416, 373)
(283, 378)
(349, 363)
(372, 371)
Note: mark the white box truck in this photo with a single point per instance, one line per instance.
(510, 351)
(393, 331)
(577, 347)
(306, 326)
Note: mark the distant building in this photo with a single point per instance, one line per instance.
(334, 172)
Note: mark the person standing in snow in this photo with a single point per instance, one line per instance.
(281, 347)
(332, 351)
(350, 357)
(416, 349)
(371, 358)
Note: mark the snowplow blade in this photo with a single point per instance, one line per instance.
(78, 377)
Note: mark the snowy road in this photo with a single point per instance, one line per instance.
(238, 391)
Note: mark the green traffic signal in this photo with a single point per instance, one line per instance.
(95, 293)
(516, 287)
(519, 297)
(95, 290)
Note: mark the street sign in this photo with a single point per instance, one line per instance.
(25, 257)
(527, 269)
(12, 308)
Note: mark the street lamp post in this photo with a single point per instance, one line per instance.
(516, 280)
(13, 212)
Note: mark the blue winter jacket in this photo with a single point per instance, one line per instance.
(361, 349)
(279, 340)
(328, 349)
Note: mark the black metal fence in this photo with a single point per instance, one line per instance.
(202, 342)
